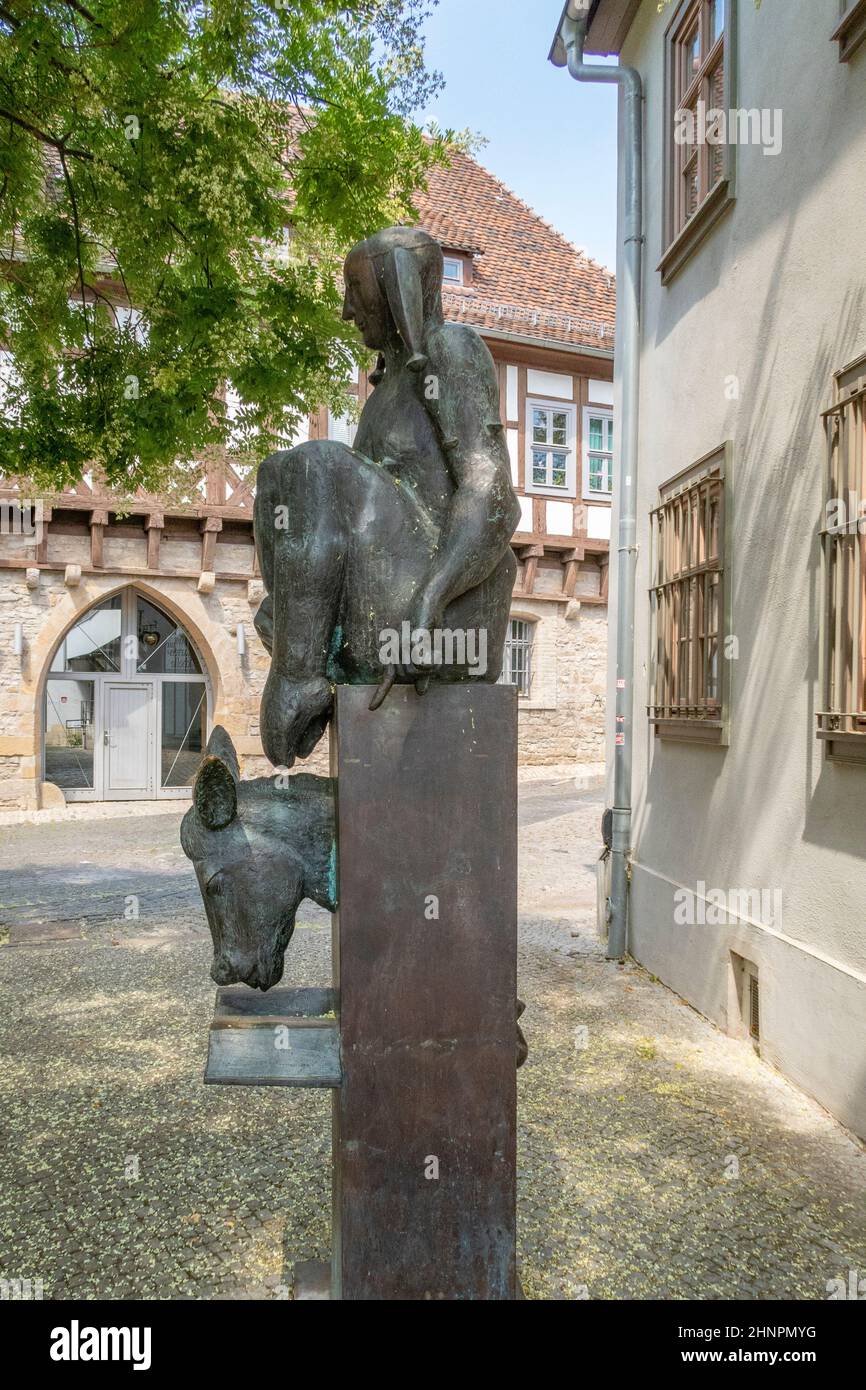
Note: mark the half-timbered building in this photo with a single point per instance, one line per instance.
(128, 629)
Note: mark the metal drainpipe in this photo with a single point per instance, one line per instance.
(572, 32)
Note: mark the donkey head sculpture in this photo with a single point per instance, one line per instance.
(259, 848)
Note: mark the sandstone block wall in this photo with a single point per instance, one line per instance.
(561, 723)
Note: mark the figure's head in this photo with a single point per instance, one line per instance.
(394, 289)
(258, 849)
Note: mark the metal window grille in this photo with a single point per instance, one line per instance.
(754, 1007)
(843, 537)
(688, 599)
(517, 663)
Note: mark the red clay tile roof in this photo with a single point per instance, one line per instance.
(528, 278)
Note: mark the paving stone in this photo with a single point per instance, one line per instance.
(623, 1144)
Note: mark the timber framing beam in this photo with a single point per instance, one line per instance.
(98, 523)
(134, 506)
(571, 561)
(154, 525)
(127, 571)
(530, 555)
(210, 525)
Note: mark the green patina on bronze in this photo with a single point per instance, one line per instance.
(346, 555)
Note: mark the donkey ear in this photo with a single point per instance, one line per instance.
(221, 746)
(215, 794)
(406, 302)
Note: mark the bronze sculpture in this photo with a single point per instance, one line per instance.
(410, 528)
(408, 531)
(259, 848)
(412, 525)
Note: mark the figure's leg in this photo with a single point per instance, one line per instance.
(341, 549)
(299, 531)
(483, 612)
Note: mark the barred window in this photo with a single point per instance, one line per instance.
(842, 721)
(517, 663)
(687, 599)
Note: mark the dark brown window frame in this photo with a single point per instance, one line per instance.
(699, 717)
(679, 243)
(851, 31)
(842, 721)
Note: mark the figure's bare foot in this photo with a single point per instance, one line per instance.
(293, 717)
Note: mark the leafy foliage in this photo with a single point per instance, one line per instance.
(208, 164)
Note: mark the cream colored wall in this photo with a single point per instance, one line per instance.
(771, 304)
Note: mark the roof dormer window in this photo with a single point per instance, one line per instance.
(452, 273)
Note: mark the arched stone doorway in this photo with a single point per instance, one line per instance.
(126, 704)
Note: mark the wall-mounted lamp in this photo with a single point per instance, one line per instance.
(18, 639)
(242, 639)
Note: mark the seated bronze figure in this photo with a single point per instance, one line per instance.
(411, 525)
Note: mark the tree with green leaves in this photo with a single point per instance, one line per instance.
(207, 165)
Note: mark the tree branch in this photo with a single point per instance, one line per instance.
(71, 190)
(84, 12)
(59, 145)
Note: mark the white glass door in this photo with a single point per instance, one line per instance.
(128, 740)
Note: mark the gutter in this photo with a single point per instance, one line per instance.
(555, 344)
(568, 48)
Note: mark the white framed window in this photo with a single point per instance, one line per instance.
(452, 272)
(550, 448)
(597, 452)
(342, 428)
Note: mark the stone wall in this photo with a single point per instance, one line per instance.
(561, 723)
(563, 720)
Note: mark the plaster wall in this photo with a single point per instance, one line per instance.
(741, 346)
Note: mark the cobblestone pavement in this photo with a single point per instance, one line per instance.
(122, 1175)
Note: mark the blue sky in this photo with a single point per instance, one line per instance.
(552, 140)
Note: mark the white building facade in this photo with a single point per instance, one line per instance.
(748, 867)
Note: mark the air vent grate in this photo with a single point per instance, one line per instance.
(754, 1007)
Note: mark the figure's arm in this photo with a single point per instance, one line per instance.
(462, 396)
